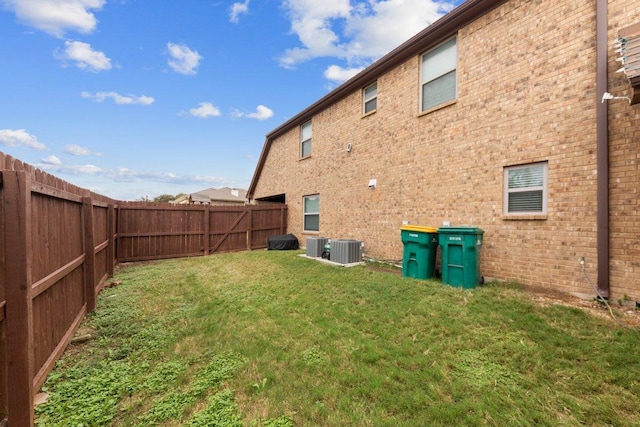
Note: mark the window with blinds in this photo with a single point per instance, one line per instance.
(370, 98)
(311, 213)
(525, 188)
(305, 139)
(438, 75)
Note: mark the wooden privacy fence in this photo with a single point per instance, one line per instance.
(147, 232)
(59, 245)
(55, 255)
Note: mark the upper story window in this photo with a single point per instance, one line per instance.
(311, 213)
(370, 98)
(305, 139)
(525, 189)
(438, 75)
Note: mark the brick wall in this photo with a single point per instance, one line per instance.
(624, 165)
(526, 93)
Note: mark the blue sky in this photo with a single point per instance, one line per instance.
(135, 98)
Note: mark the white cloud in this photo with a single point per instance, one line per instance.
(238, 9)
(119, 99)
(262, 113)
(311, 22)
(125, 175)
(204, 110)
(339, 74)
(377, 27)
(55, 17)
(183, 60)
(357, 34)
(88, 169)
(20, 137)
(51, 160)
(77, 150)
(85, 57)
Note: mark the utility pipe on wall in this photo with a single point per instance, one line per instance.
(602, 136)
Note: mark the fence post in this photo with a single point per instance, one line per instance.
(89, 254)
(249, 228)
(206, 229)
(111, 230)
(19, 303)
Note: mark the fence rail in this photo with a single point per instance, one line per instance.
(59, 247)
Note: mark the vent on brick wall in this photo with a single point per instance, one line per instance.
(346, 251)
(315, 246)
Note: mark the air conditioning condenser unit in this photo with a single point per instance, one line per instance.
(315, 246)
(345, 251)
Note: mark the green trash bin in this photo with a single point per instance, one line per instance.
(460, 255)
(420, 246)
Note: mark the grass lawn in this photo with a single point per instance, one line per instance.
(268, 338)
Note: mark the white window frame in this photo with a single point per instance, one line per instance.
(305, 140)
(543, 186)
(368, 98)
(305, 214)
(445, 70)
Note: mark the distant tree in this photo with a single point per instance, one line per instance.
(164, 198)
(143, 199)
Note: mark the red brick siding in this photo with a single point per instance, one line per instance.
(526, 93)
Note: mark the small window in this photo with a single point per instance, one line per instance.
(525, 189)
(311, 215)
(305, 139)
(370, 98)
(438, 75)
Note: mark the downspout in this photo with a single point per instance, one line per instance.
(602, 135)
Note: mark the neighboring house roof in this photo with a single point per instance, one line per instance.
(199, 198)
(434, 34)
(630, 54)
(224, 194)
(181, 200)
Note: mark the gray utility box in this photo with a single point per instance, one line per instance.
(315, 246)
(346, 251)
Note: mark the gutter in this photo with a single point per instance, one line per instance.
(602, 141)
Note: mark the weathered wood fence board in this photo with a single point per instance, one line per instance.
(59, 246)
(18, 309)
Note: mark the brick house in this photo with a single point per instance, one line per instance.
(492, 117)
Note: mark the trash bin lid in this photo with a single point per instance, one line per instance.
(419, 228)
(460, 230)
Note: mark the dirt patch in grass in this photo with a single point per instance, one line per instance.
(385, 269)
(626, 313)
